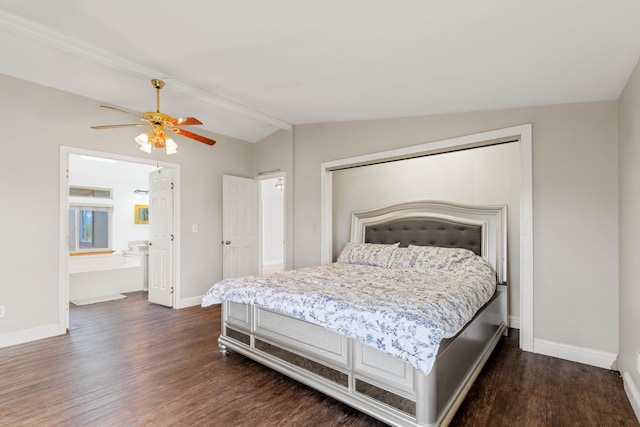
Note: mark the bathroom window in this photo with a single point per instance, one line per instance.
(101, 193)
(90, 229)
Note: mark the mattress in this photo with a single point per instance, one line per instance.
(402, 301)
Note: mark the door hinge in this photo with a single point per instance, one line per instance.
(171, 290)
(172, 185)
(172, 237)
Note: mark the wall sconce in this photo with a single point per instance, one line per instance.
(141, 194)
(280, 184)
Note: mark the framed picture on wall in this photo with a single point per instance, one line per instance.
(141, 214)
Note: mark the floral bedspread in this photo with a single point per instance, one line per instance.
(403, 312)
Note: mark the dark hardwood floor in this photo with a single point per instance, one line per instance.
(131, 363)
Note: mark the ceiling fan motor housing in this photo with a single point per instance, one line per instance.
(158, 84)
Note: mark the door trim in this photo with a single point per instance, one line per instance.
(63, 278)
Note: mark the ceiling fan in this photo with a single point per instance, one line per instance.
(160, 124)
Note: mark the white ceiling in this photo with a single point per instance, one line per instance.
(246, 68)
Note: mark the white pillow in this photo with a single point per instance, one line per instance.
(367, 254)
(402, 258)
(436, 258)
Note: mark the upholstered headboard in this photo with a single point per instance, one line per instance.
(427, 232)
(482, 229)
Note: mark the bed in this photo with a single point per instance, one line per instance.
(420, 383)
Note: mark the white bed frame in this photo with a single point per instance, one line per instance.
(361, 376)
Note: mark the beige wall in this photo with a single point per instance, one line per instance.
(574, 203)
(575, 199)
(39, 120)
(629, 227)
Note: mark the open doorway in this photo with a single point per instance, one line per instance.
(108, 228)
(272, 224)
(113, 226)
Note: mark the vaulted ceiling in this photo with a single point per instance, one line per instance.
(247, 68)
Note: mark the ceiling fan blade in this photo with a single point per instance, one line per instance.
(117, 126)
(193, 136)
(119, 110)
(185, 121)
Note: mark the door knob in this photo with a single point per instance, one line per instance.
(227, 242)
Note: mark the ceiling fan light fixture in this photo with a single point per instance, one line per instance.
(146, 148)
(171, 146)
(142, 139)
(150, 141)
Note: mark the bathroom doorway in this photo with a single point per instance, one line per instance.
(272, 223)
(126, 181)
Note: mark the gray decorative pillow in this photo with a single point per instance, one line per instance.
(435, 258)
(367, 254)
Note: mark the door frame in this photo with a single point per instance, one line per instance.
(264, 177)
(63, 244)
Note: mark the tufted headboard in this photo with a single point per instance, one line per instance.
(482, 229)
(427, 232)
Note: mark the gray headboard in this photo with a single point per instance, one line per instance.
(482, 229)
(427, 232)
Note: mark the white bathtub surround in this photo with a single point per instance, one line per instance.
(94, 300)
(100, 275)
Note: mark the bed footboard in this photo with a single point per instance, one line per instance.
(361, 376)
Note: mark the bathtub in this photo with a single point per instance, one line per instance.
(99, 275)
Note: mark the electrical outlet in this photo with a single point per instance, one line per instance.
(194, 228)
(1, 310)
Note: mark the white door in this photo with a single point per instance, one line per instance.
(239, 226)
(161, 267)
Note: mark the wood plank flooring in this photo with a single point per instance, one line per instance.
(131, 363)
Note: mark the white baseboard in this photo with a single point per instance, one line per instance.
(27, 335)
(189, 302)
(587, 356)
(633, 393)
(514, 322)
